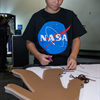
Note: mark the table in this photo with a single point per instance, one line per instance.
(91, 90)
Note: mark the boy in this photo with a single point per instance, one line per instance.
(54, 32)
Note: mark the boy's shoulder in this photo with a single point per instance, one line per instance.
(68, 13)
(67, 10)
(38, 13)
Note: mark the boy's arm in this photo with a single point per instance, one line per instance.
(31, 47)
(71, 62)
(43, 59)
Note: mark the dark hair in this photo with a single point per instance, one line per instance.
(8, 17)
(1, 18)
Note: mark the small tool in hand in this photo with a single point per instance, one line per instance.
(65, 70)
(50, 59)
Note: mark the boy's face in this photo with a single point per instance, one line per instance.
(53, 5)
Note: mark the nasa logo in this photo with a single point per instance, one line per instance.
(53, 37)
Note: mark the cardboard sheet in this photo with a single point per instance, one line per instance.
(47, 88)
(91, 91)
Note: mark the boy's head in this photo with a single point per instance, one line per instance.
(53, 6)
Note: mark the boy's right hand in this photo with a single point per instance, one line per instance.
(44, 59)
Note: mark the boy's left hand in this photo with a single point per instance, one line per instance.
(71, 63)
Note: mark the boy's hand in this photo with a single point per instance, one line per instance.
(71, 63)
(44, 59)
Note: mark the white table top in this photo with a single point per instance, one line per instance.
(91, 90)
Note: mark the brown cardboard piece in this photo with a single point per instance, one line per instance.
(48, 88)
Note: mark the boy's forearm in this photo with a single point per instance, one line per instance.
(75, 47)
(31, 47)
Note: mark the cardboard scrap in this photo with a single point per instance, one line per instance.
(48, 88)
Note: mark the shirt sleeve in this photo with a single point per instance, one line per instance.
(77, 28)
(29, 33)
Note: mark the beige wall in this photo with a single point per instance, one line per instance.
(23, 9)
(88, 11)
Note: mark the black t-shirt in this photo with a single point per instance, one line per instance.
(53, 33)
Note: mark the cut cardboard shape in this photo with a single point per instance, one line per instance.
(48, 88)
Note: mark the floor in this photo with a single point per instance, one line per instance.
(7, 77)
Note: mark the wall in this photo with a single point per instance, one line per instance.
(23, 9)
(88, 11)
